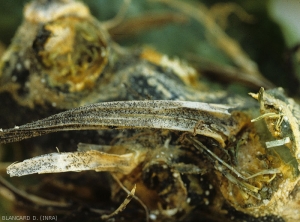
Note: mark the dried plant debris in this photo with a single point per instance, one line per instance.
(209, 120)
(76, 161)
(184, 151)
(122, 206)
(254, 178)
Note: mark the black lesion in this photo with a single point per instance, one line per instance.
(141, 85)
(139, 88)
(39, 42)
(18, 74)
(159, 177)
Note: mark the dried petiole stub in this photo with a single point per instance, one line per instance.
(74, 161)
(211, 120)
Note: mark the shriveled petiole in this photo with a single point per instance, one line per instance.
(74, 161)
(210, 120)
